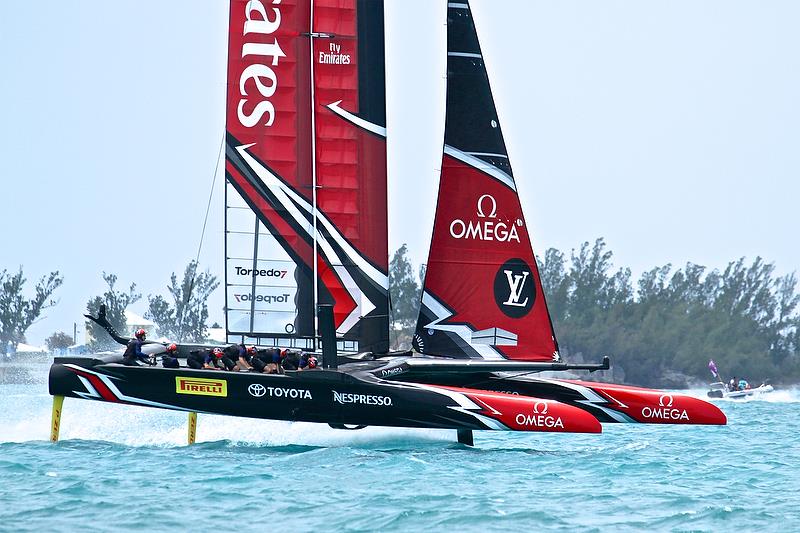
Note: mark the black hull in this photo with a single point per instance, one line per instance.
(352, 397)
(323, 396)
(397, 392)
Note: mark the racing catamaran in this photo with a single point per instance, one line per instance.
(307, 251)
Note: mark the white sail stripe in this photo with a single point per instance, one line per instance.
(358, 121)
(455, 5)
(323, 247)
(465, 54)
(289, 200)
(482, 166)
(464, 332)
(276, 184)
(487, 154)
(327, 251)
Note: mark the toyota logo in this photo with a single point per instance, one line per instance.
(257, 389)
(540, 408)
(665, 400)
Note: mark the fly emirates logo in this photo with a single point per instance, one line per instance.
(485, 226)
(262, 57)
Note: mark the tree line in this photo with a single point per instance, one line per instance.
(181, 316)
(660, 330)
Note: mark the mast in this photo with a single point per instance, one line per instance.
(312, 102)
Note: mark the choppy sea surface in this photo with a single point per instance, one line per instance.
(122, 468)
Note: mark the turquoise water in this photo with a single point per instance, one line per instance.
(125, 468)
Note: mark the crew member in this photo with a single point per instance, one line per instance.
(196, 359)
(239, 355)
(276, 366)
(291, 360)
(215, 360)
(308, 362)
(133, 352)
(169, 359)
(260, 358)
(269, 360)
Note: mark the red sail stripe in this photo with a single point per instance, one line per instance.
(98, 384)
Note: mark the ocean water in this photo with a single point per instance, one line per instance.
(122, 468)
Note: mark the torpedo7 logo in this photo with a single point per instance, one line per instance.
(514, 289)
(263, 272)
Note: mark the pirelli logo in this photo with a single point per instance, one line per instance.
(201, 386)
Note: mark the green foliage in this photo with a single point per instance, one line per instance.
(404, 294)
(184, 320)
(116, 302)
(58, 341)
(17, 312)
(745, 318)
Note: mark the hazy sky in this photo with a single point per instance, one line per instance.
(672, 129)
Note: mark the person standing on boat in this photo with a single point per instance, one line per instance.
(732, 384)
(133, 352)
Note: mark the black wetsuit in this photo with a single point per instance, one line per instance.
(304, 361)
(232, 353)
(133, 352)
(264, 357)
(196, 359)
(292, 361)
(224, 362)
(169, 361)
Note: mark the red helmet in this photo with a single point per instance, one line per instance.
(251, 350)
(172, 348)
(217, 352)
(140, 333)
(312, 362)
(283, 352)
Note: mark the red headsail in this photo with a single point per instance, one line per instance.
(482, 294)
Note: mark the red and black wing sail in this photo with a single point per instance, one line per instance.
(306, 209)
(482, 296)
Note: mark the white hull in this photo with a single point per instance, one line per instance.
(722, 392)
